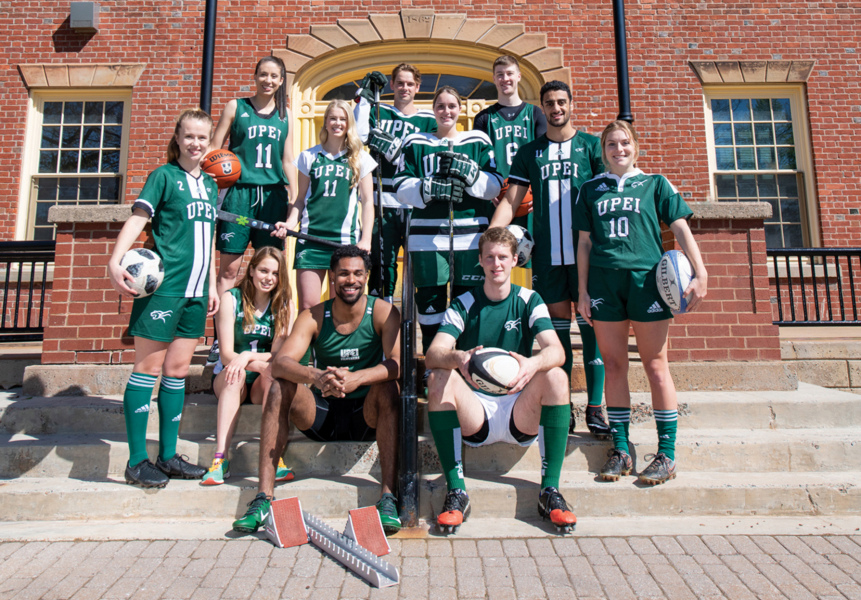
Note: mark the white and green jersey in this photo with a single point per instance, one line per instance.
(510, 128)
(182, 209)
(399, 125)
(511, 324)
(429, 223)
(256, 337)
(331, 204)
(623, 214)
(258, 142)
(556, 170)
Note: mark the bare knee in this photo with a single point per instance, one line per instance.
(657, 371)
(615, 366)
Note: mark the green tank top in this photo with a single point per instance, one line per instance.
(256, 337)
(359, 350)
(258, 142)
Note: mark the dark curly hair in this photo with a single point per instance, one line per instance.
(350, 252)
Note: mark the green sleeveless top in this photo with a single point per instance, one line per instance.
(258, 142)
(359, 350)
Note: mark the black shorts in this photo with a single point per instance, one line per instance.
(340, 420)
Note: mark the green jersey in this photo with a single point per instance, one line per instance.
(556, 170)
(623, 215)
(399, 125)
(257, 337)
(332, 202)
(359, 350)
(258, 142)
(182, 209)
(509, 128)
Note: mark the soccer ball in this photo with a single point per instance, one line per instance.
(147, 269)
(525, 243)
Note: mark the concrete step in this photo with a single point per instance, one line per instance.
(809, 406)
(492, 496)
(94, 457)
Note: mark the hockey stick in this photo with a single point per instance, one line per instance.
(255, 224)
(379, 203)
(408, 476)
(450, 239)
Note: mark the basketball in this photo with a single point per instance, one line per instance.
(223, 166)
(492, 370)
(526, 206)
(525, 243)
(147, 269)
(674, 274)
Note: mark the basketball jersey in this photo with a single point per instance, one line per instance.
(331, 204)
(258, 142)
(182, 209)
(556, 170)
(257, 337)
(508, 135)
(623, 214)
(359, 350)
(429, 225)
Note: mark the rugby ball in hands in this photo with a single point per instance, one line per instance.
(147, 269)
(491, 370)
(525, 243)
(674, 275)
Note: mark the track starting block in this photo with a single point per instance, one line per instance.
(364, 527)
(285, 526)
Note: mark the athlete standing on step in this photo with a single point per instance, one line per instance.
(499, 314)
(555, 165)
(618, 215)
(180, 200)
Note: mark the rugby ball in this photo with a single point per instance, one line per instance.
(525, 243)
(491, 370)
(147, 269)
(674, 275)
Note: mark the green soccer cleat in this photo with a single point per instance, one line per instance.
(258, 510)
(388, 509)
(218, 472)
(282, 473)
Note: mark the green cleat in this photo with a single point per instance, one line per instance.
(258, 510)
(388, 509)
(218, 472)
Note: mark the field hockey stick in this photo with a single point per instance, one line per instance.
(379, 202)
(227, 217)
(450, 238)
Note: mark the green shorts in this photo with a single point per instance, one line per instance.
(310, 255)
(267, 203)
(161, 318)
(623, 294)
(431, 268)
(555, 283)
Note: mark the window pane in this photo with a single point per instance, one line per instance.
(773, 238)
(90, 161)
(743, 134)
(113, 112)
(784, 134)
(113, 137)
(52, 112)
(746, 187)
(110, 161)
(782, 110)
(42, 209)
(720, 110)
(68, 189)
(71, 137)
(342, 92)
(46, 189)
(786, 158)
(788, 185)
(723, 134)
(429, 83)
(486, 91)
(765, 158)
(89, 189)
(775, 211)
(761, 110)
(463, 85)
(69, 161)
(92, 137)
(725, 186)
(50, 137)
(741, 110)
(48, 161)
(792, 237)
(725, 159)
(790, 211)
(110, 188)
(745, 158)
(73, 112)
(764, 134)
(767, 186)
(43, 234)
(93, 112)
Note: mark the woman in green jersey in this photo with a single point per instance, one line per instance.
(619, 215)
(334, 190)
(179, 199)
(254, 320)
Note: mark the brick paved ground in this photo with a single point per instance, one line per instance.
(676, 567)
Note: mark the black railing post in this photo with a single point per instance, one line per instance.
(622, 61)
(208, 55)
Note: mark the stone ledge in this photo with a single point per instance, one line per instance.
(96, 380)
(113, 213)
(730, 210)
(752, 71)
(52, 75)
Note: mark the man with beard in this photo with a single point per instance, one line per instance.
(349, 394)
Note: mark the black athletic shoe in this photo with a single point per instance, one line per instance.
(455, 510)
(596, 423)
(620, 463)
(179, 467)
(145, 475)
(661, 469)
(551, 505)
(572, 422)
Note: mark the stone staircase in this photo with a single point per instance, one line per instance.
(740, 454)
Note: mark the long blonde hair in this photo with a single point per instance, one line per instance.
(279, 299)
(188, 113)
(353, 144)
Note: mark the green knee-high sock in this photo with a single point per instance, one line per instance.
(445, 428)
(592, 363)
(667, 422)
(171, 397)
(563, 330)
(620, 420)
(552, 442)
(136, 400)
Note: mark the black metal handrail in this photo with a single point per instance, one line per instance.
(23, 315)
(809, 296)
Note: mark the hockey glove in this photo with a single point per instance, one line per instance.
(441, 189)
(373, 82)
(385, 143)
(455, 164)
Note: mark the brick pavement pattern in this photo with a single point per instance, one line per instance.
(683, 567)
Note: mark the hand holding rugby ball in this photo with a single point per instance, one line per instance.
(492, 370)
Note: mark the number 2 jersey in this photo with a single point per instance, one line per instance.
(623, 215)
(182, 209)
(258, 142)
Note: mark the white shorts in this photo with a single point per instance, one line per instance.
(497, 411)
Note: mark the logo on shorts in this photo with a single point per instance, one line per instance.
(602, 188)
(655, 308)
(596, 302)
(349, 354)
(227, 236)
(161, 315)
(430, 310)
(299, 254)
(512, 325)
